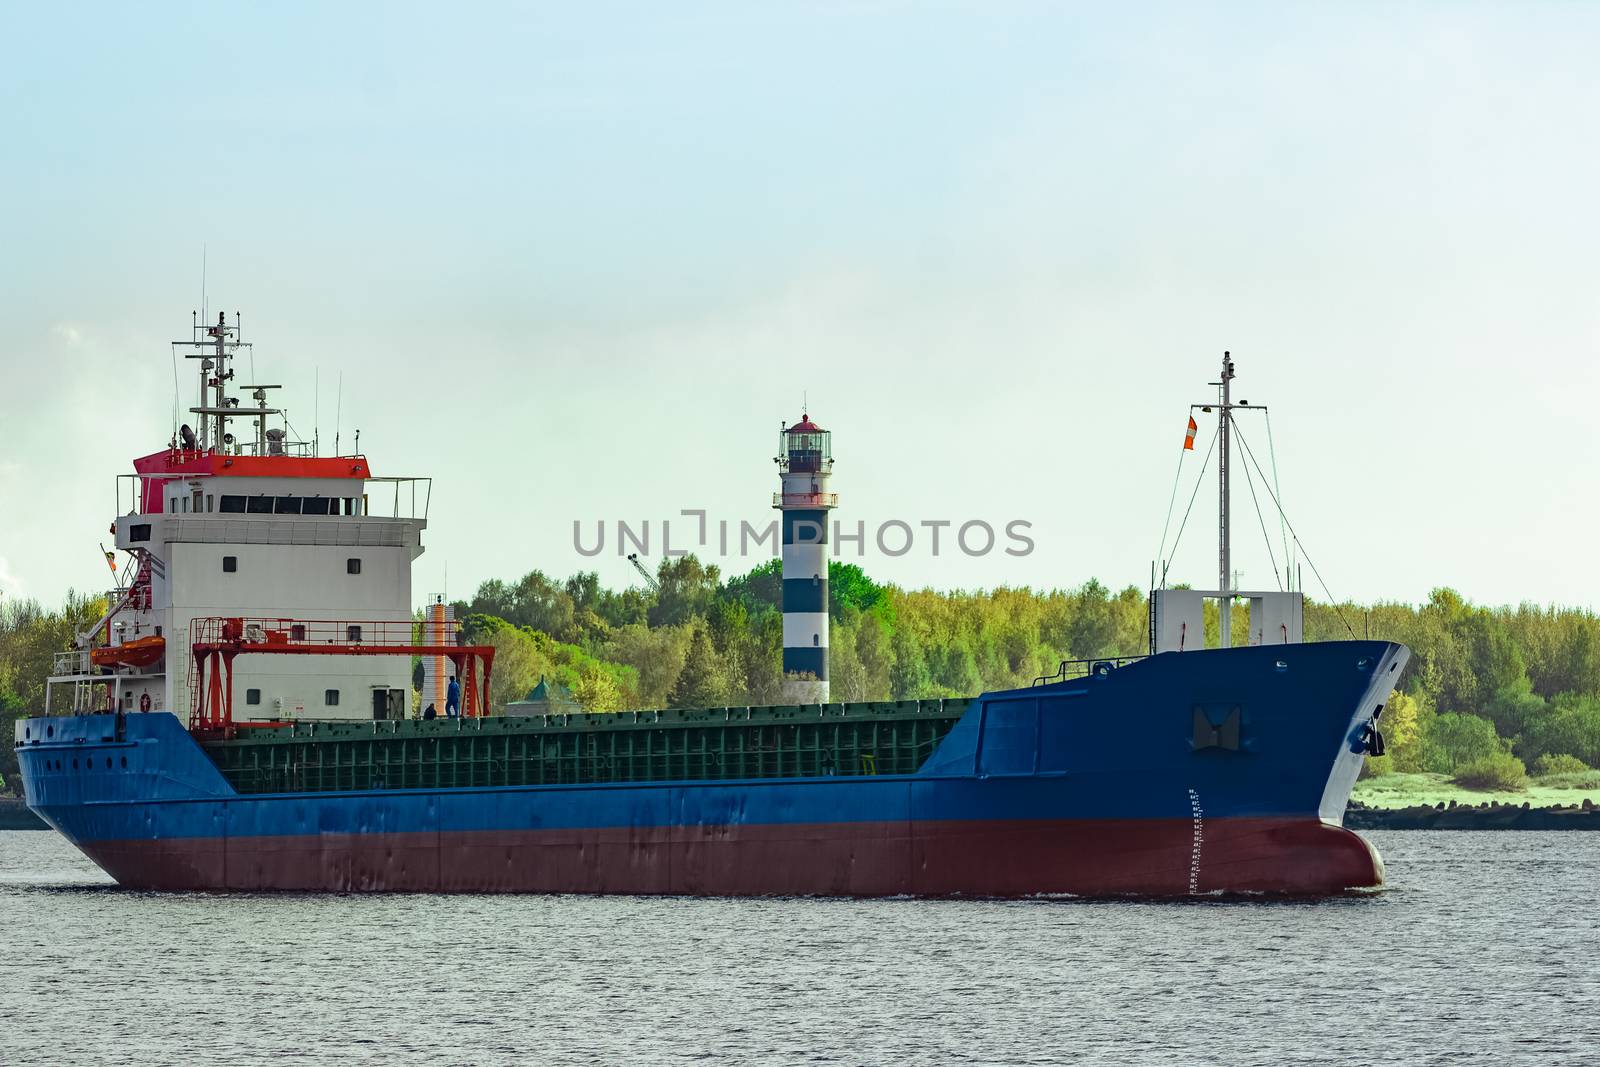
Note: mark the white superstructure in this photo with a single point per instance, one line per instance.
(252, 525)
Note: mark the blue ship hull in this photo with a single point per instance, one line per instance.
(1222, 770)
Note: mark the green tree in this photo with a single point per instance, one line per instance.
(1571, 726)
(909, 677)
(849, 587)
(687, 590)
(703, 682)
(1403, 722)
(1454, 739)
(876, 656)
(657, 655)
(598, 691)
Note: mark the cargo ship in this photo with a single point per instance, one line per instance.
(243, 718)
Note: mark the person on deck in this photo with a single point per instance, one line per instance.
(431, 713)
(452, 699)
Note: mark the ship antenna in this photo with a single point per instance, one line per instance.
(1225, 619)
(175, 389)
(338, 407)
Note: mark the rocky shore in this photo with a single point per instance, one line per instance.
(14, 815)
(1491, 815)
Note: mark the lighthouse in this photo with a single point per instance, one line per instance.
(805, 463)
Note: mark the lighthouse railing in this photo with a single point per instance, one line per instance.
(814, 500)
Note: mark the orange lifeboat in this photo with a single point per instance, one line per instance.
(140, 652)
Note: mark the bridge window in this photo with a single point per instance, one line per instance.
(352, 565)
(330, 697)
(352, 633)
(252, 696)
(259, 505)
(139, 531)
(287, 505)
(315, 505)
(232, 505)
(230, 564)
(297, 632)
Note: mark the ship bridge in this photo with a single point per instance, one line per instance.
(239, 517)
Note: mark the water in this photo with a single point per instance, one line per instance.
(1487, 950)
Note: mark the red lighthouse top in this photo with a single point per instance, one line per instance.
(805, 447)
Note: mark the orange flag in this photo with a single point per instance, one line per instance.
(1188, 438)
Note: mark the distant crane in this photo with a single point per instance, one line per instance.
(649, 579)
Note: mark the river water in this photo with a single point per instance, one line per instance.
(1485, 950)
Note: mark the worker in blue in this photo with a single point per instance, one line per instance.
(452, 699)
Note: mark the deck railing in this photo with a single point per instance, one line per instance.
(1082, 668)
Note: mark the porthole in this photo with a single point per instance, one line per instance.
(27, 732)
(49, 731)
(124, 762)
(108, 763)
(74, 763)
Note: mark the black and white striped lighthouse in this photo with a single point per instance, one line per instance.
(805, 463)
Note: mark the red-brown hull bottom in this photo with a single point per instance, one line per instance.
(937, 859)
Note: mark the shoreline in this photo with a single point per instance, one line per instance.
(1489, 815)
(14, 815)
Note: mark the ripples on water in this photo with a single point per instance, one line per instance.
(1486, 950)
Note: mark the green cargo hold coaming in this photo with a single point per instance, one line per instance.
(698, 744)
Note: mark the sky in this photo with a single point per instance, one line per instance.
(579, 263)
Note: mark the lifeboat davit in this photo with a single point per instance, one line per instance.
(140, 652)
